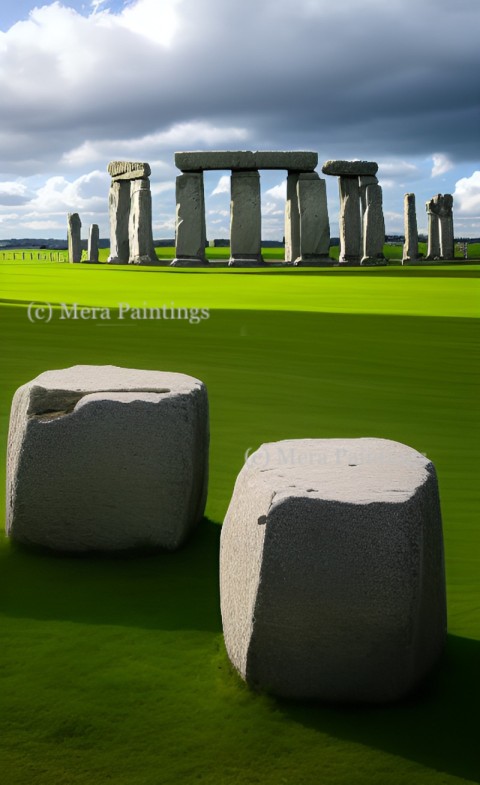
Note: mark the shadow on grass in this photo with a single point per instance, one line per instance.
(437, 727)
(150, 589)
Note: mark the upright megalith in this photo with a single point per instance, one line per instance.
(106, 458)
(93, 237)
(292, 219)
(362, 225)
(350, 226)
(245, 219)
(314, 225)
(119, 212)
(74, 226)
(130, 208)
(373, 227)
(190, 225)
(332, 580)
(142, 250)
(441, 242)
(410, 247)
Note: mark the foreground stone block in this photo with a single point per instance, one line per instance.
(106, 458)
(331, 570)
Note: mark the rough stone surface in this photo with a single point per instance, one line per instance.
(107, 458)
(245, 219)
(433, 246)
(74, 226)
(140, 234)
(93, 237)
(119, 212)
(349, 221)
(373, 226)
(246, 160)
(292, 219)
(442, 207)
(410, 246)
(314, 223)
(128, 170)
(331, 570)
(190, 230)
(350, 168)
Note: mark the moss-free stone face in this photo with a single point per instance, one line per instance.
(107, 458)
(246, 160)
(331, 570)
(350, 168)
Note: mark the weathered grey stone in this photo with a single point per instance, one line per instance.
(373, 226)
(107, 458)
(292, 219)
(245, 220)
(410, 246)
(128, 170)
(314, 223)
(93, 237)
(190, 231)
(433, 246)
(331, 570)
(441, 206)
(119, 213)
(74, 226)
(245, 160)
(350, 168)
(349, 221)
(142, 250)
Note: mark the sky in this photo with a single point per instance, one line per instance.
(84, 83)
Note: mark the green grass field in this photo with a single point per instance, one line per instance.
(113, 669)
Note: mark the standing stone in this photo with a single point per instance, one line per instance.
(433, 248)
(332, 579)
(363, 181)
(190, 231)
(292, 219)
(142, 250)
(119, 211)
(245, 220)
(74, 238)
(314, 224)
(410, 248)
(349, 224)
(373, 226)
(93, 238)
(441, 206)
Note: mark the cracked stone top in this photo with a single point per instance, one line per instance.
(357, 471)
(128, 170)
(58, 391)
(350, 168)
(197, 161)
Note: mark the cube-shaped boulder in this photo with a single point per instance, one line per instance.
(107, 458)
(332, 571)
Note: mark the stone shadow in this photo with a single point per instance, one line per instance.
(150, 589)
(437, 727)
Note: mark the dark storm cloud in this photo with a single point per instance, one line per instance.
(363, 79)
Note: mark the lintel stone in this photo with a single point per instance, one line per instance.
(128, 170)
(350, 168)
(245, 160)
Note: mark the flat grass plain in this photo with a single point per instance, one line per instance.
(113, 669)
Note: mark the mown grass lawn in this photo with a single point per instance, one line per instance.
(113, 669)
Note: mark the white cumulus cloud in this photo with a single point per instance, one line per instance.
(441, 164)
(467, 195)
